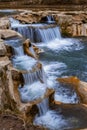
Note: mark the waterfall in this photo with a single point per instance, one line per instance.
(49, 34)
(29, 78)
(18, 51)
(50, 19)
(43, 107)
(14, 22)
(39, 34)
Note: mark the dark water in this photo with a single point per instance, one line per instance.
(73, 59)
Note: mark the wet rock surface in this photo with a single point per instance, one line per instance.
(8, 33)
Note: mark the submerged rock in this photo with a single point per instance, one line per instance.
(79, 86)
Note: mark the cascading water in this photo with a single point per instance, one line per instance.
(43, 107)
(18, 51)
(54, 66)
(35, 84)
(50, 19)
(37, 32)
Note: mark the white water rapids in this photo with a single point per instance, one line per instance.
(54, 45)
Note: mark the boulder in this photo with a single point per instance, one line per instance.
(79, 86)
(4, 61)
(3, 50)
(27, 18)
(4, 23)
(7, 33)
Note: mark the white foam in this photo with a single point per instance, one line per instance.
(52, 66)
(63, 44)
(24, 62)
(51, 120)
(32, 92)
(65, 98)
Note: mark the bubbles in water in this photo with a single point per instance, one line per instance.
(24, 62)
(63, 44)
(32, 92)
(51, 120)
(53, 70)
(63, 97)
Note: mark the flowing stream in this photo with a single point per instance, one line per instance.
(62, 57)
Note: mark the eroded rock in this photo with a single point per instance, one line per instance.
(3, 50)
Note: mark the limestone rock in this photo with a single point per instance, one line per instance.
(9, 50)
(2, 48)
(7, 33)
(4, 61)
(4, 23)
(27, 18)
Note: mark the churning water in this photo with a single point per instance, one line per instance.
(62, 57)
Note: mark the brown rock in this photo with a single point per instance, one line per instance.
(7, 33)
(2, 48)
(27, 18)
(4, 61)
(4, 23)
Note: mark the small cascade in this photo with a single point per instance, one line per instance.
(29, 78)
(18, 51)
(49, 118)
(35, 84)
(37, 32)
(14, 22)
(43, 107)
(49, 34)
(50, 19)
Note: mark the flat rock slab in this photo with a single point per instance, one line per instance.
(7, 33)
